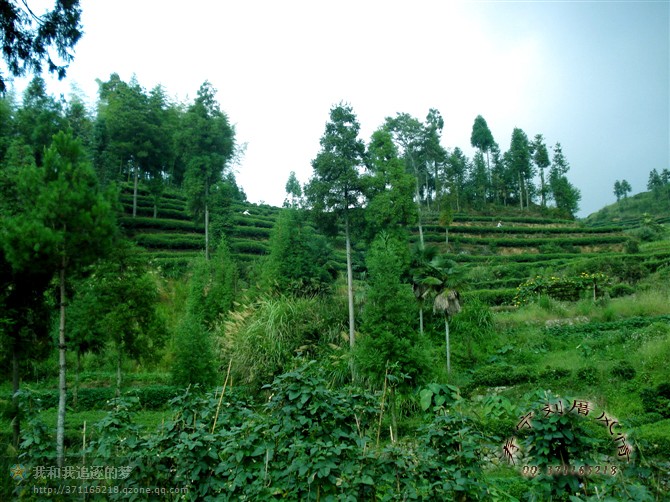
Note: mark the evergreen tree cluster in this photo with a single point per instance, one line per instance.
(60, 245)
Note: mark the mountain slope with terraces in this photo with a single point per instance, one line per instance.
(494, 254)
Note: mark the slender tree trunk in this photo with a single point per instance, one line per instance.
(543, 189)
(417, 194)
(62, 388)
(16, 417)
(427, 194)
(421, 317)
(350, 282)
(135, 183)
(520, 191)
(418, 211)
(394, 414)
(446, 337)
(155, 210)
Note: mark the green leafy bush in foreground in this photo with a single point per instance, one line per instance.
(309, 441)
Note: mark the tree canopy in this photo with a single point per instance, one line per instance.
(27, 39)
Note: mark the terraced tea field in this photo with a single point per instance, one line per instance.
(494, 255)
(172, 238)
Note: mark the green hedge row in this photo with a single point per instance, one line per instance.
(172, 254)
(251, 232)
(492, 297)
(528, 242)
(144, 201)
(454, 230)
(595, 329)
(159, 223)
(250, 221)
(171, 241)
(556, 258)
(518, 219)
(496, 284)
(152, 397)
(499, 375)
(628, 223)
(162, 213)
(520, 258)
(256, 210)
(169, 193)
(248, 247)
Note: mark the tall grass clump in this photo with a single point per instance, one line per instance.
(263, 338)
(644, 303)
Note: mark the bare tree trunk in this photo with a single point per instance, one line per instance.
(418, 201)
(418, 211)
(62, 388)
(520, 191)
(421, 317)
(394, 414)
(350, 282)
(427, 195)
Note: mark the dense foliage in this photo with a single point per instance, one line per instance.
(258, 370)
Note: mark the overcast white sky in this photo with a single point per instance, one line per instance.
(591, 75)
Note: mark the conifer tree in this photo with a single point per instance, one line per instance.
(335, 188)
(208, 144)
(63, 223)
(541, 160)
(389, 335)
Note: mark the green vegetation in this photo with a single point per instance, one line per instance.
(412, 324)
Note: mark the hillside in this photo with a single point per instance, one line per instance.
(494, 254)
(580, 316)
(172, 239)
(630, 211)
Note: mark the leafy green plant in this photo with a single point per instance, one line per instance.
(623, 370)
(656, 399)
(552, 437)
(500, 374)
(263, 338)
(194, 360)
(438, 398)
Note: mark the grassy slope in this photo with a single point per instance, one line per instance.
(630, 210)
(563, 359)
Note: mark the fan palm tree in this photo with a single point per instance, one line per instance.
(448, 303)
(430, 272)
(424, 279)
